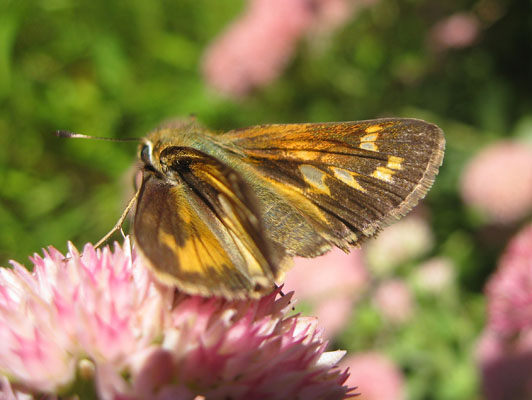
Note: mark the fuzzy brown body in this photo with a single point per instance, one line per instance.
(223, 214)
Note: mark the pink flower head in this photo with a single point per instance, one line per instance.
(377, 377)
(509, 291)
(498, 181)
(101, 306)
(99, 317)
(234, 350)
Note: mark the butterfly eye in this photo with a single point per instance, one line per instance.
(145, 154)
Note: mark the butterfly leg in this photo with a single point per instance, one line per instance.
(118, 225)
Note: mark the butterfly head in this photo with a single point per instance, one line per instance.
(156, 157)
(164, 148)
(165, 159)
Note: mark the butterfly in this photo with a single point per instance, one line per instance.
(223, 214)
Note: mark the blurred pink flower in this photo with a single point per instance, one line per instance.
(509, 291)
(505, 366)
(499, 181)
(456, 31)
(331, 274)
(331, 284)
(504, 351)
(407, 239)
(254, 50)
(435, 275)
(333, 314)
(256, 47)
(99, 317)
(377, 377)
(394, 301)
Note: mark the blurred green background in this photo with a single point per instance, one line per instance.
(117, 69)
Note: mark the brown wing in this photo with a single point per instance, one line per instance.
(335, 183)
(199, 228)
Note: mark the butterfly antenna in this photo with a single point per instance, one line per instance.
(68, 134)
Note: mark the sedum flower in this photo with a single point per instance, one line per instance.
(96, 325)
(71, 313)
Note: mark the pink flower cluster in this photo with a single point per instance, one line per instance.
(255, 48)
(96, 321)
(504, 352)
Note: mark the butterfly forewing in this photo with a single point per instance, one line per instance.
(341, 182)
(197, 226)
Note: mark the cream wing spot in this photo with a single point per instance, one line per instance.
(347, 177)
(395, 162)
(370, 137)
(368, 146)
(367, 142)
(383, 174)
(314, 177)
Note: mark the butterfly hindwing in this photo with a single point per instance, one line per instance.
(199, 227)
